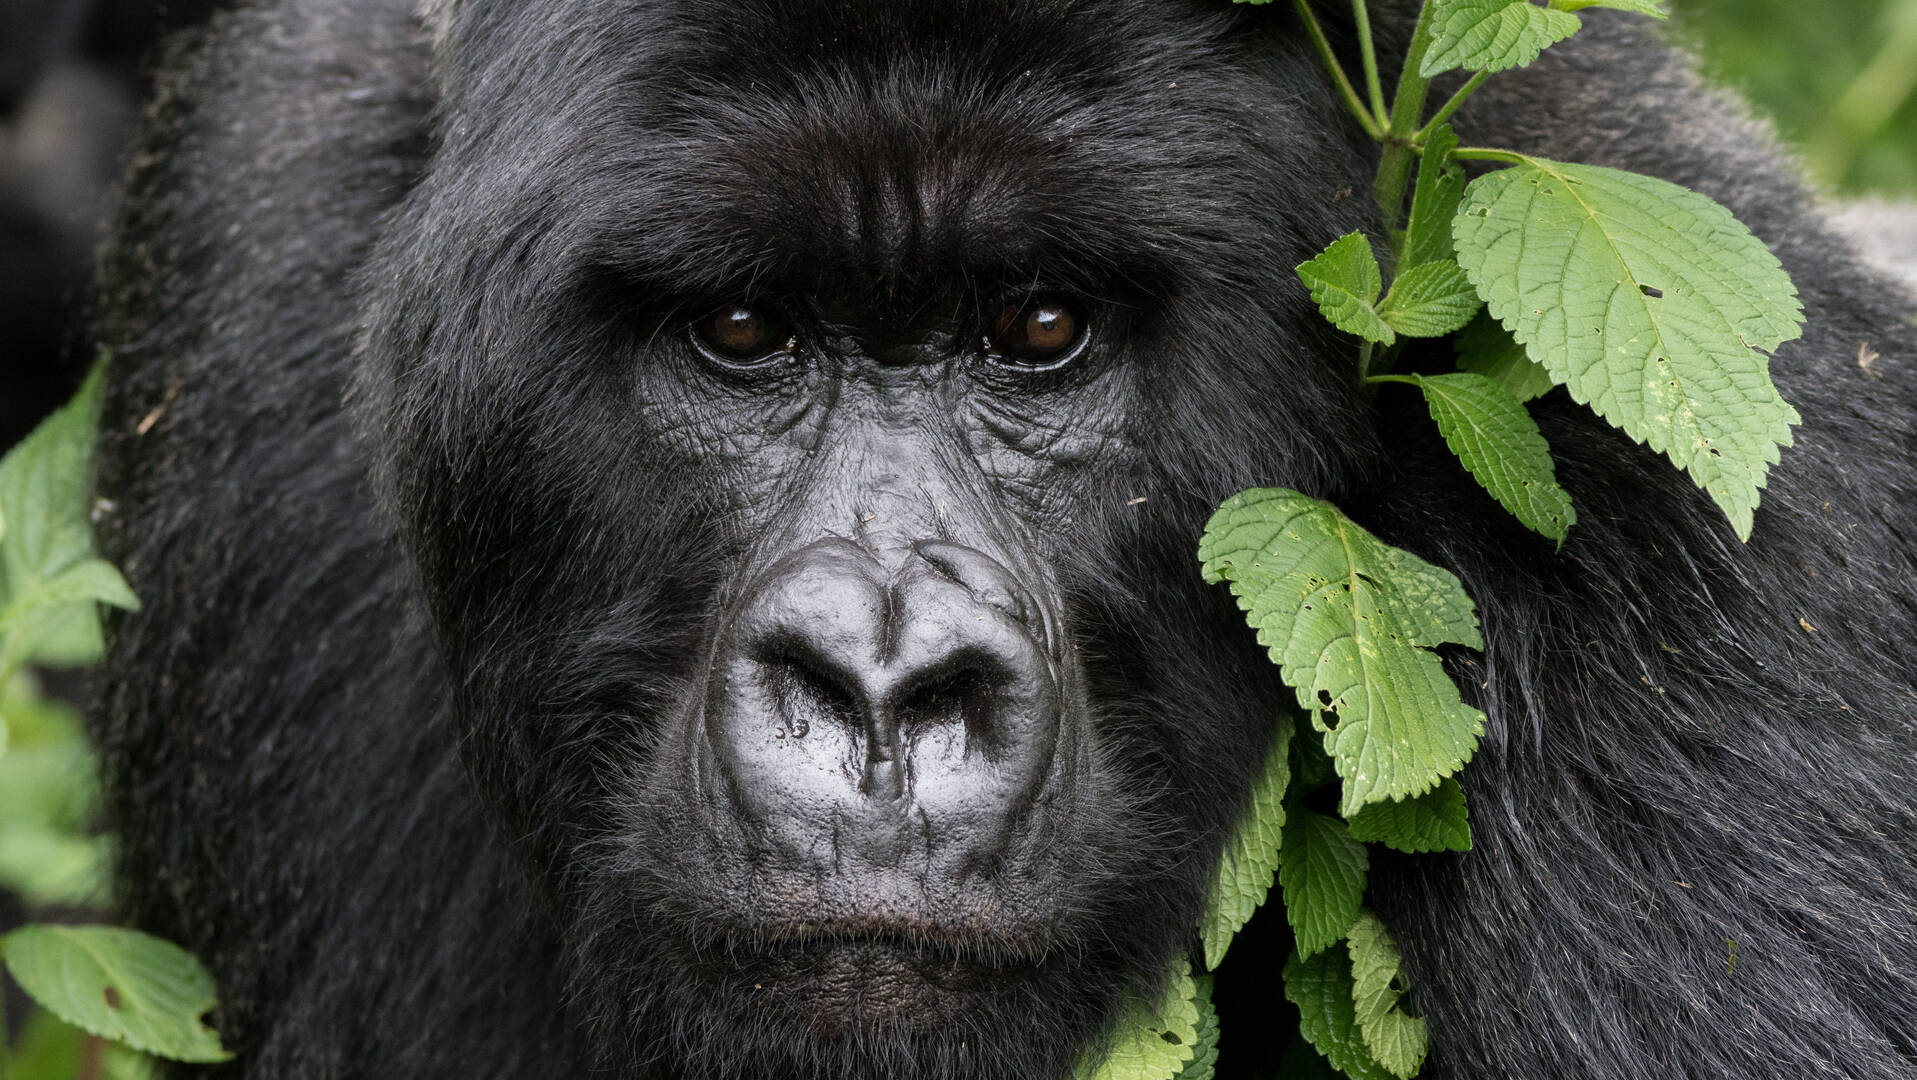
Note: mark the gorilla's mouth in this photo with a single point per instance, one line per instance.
(841, 982)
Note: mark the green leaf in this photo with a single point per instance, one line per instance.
(44, 606)
(1322, 868)
(1430, 300)
(1204, 1058)
(46, 868)
(48, 578)
(47, 780)
(1154, 1041)
(1251, 855)
(1486, 348)
(118, 984)
(1434, 821)
(1492, 35)
(1653, 8)
(1650, 303)
(1345, 282)
(1434, 201)
(43, 492)
(1397, 1040)
(1498, 443)
(1320, 986)
(1350, 622)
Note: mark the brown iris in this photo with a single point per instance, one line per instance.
(1036, 332)
(739, 332)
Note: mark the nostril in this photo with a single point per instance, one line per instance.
(806, 689)
(966, 691)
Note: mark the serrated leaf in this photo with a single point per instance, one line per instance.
(48, 578)
(43, 493)
(1430, 300)
(1322, 868)
(1350, 622)
(1435, 821)
(1434, 201)
(1499, 444)
(1250, 858)
(1320, 986)
(1397, 1041)
(1204, 1058)
(1345, 281)
(1650, 303)
(1486, 348)
(1492, 35)
(1154, 1041)
(1653, 8)
(120, 985)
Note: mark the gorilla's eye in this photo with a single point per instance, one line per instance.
(740, 334)
(1037, 332)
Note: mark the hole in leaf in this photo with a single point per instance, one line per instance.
(1651, 291)
(1324, 698)
(1171, 1037)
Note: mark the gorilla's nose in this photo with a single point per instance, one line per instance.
(856, 706)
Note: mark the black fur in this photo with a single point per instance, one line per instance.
(389, 743)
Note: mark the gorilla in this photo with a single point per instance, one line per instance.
(667, 533)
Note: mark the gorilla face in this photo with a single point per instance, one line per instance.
(801, 418)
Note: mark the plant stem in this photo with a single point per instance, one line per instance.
(1364, 376)
(1486, 153)
(1373, 123)
(1451, 106)
(1376, 379)
(1369, 55)
(1407, 107)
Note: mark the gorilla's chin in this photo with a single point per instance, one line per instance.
(847, 1007)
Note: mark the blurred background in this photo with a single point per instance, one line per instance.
(1836, 76)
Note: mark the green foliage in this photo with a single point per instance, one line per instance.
(1204, 1057)
(1322, 989)
(1491, 35)
(1351, 621)
(119, 984)
(1156, 1040)
(1650, 303)
(110, 983)
(47, 855)
(1430, 300)
(1496, 440)
(1250, 859)
(1322, 868)
(1486, 348)
(49, 579)
(1344, 283)
(1434, 821)
(1396, 1039)
(1434, 201)
(1496, 35)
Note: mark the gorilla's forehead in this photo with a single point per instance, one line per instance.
(886, 151)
